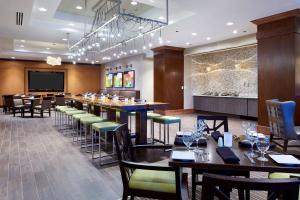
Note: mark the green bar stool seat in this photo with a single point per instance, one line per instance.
(85, 124)
(166, 121)
(76, 125)
(58, 109)
(102, 127)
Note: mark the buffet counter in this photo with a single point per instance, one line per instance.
(243, 106)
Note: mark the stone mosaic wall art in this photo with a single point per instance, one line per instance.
(231, 72)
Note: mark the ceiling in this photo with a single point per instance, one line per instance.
(42, 33)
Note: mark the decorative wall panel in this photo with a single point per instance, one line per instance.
(231, 72)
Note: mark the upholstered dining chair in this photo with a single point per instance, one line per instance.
(219, 123)
(44, 107)
(281, 122)
(7, 103)
(285, 189)
(144, 180)
(60, 100)
(18, 106)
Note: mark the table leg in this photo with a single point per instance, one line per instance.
(111, 114)
(141, 127)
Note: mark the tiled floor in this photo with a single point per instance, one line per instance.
(38, 162)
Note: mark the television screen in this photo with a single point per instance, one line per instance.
(39, 81)
(109, 80)
(118, 80)
(129, 78)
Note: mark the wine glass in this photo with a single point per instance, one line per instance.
(263, 145)
(188, 139)
(251, 135)
(246, 126)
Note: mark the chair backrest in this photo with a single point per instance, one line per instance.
(288, 189)
(8, 100)
(123, 143)
(281, 118)
(46, 103)
(18, 102)
(78, 105)
(60, 100)
(218, 122)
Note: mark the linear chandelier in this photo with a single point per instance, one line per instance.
(116, 32)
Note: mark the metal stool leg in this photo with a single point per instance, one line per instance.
(164, 134)
(168, 134)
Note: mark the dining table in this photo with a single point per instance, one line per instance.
(32, 104)
(213, 161)
(125, 107)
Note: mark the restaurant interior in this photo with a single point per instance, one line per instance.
(149, 99)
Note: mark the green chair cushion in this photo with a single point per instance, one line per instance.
(74, 112)
(151, 115)
(278, 175)
(105, 126)
(68, 109)
(79, 116)
(166, 119)
(91, 120)
(59, 108)
(152, 180)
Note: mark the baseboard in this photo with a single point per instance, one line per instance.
(176, 112)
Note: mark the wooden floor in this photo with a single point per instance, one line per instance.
(38, 162)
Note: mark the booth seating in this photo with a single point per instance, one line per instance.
(166, 121)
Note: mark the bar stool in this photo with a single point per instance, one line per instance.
(60, 111)
(85, 124)
(130, 115)
(70, 113)
(56, 110)
(76, 123)
(150, 116)
(166, 120)
(102, 127)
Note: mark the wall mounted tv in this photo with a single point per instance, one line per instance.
(109, 80)
(129, 79)
(118, 80)
(39, 81)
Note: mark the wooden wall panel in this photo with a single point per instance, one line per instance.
(80, 78)
(278, 43)
(168, 76)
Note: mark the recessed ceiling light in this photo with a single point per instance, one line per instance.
(188, 43)
(234, 31)
(48, 48)
(194, 34)
(64, 39)
(171, 22)
(168, 41)
(21, 45)
(229, 23)
(74, 62)
(79, 7)
(134, 3)
(161, 18)
(208, 38)
(23, 41)
(42, 9)
(12, 57)
(97, 61)
(71, 24)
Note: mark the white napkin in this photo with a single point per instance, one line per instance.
(183, 155)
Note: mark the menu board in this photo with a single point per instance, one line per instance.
(129, 79)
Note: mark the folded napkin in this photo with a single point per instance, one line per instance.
(246, 144)
(227, 155)
(216, 135)
(179, 142)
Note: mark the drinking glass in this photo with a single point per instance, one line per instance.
(246, 126)
(251, 135)
(263, 145)
(188, 139)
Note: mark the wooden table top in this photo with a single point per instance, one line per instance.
(121, 104)
(217, 163)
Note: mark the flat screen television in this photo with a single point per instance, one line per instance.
(109, 80)
(129, 79)
(118, 80)
(39, 81)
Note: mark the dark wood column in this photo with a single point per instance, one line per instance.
(168, 76)
(278, 43)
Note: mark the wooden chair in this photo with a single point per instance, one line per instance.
(18, 106)
(44, 107)
(281, 121)
(285, 189)
(219, 122)
(143, 180)
(7, 103)
(60, 100)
